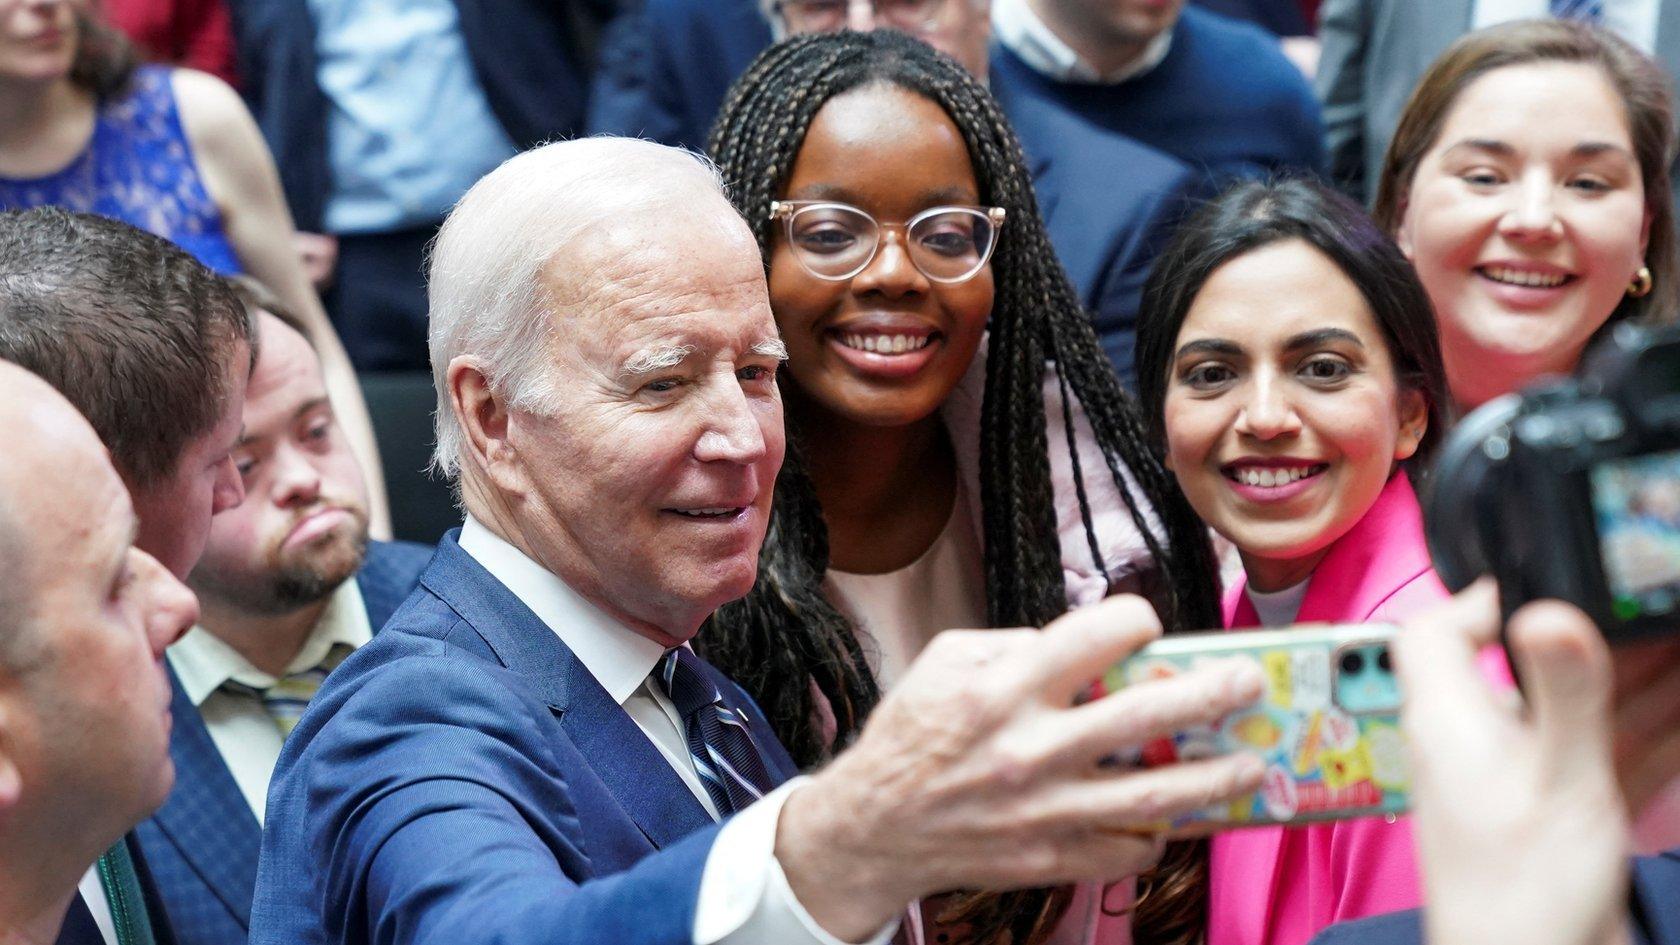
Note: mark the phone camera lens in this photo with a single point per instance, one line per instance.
(1383, 662)
(1353, 663)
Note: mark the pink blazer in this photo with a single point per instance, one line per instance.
(1281, 886)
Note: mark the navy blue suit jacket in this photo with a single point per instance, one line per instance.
(1109, 204)
(463, 778)
(1225, 100)
(523, 52)
(665, 69)
(1654, 907)
(79, 927)
(202, 844)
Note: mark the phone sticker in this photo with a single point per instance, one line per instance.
(1340, 731)
(1278, 793)
(1387, 751)
(1312, 678)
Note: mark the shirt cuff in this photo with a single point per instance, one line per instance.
(745, 898)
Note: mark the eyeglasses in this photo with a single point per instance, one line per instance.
(827, 16)
(836, 241)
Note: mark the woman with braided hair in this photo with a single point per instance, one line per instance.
(960, 452)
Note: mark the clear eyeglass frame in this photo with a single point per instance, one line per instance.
(787, 211)
(827, 16)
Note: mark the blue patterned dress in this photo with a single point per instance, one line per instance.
(138, 167)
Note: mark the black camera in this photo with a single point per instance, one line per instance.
(1571, 489)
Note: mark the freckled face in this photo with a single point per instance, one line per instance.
(1526, 222)
(892, 154)
(1283, 414)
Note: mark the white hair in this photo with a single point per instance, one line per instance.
(486, 288)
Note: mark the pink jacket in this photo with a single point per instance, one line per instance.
(1281, 886)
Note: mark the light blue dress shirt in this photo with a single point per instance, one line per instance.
(409, 128)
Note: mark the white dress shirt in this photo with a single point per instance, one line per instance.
(241, 728)
(1020, 30)
(1633, 20)
(744, 894)
(93, 896)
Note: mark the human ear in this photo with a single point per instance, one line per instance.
(11, 781)
(1403, 232)
(481, 413)
(1414, 423)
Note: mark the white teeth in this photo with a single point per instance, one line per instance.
(1271, 478)
(886, 344)
(704, 513)
(1523, 278)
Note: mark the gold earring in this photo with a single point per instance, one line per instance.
(1642, 283)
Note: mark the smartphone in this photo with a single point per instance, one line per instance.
(1328, 725)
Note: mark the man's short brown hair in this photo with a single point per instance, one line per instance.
(130, 328)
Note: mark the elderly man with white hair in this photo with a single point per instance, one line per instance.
(530, 752)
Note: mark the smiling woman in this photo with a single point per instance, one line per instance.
(1528, 182)
(1289, 367)
(960, 452)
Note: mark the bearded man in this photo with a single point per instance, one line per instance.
(290, 586)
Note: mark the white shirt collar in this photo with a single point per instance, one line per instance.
(203, 661)
(1019, 29)
(619, 658)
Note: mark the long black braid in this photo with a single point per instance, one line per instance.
(785, 642)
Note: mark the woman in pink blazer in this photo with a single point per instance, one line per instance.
(1288, 362)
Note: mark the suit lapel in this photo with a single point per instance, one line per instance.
(636, 774)
(631, 767)
(206, 816)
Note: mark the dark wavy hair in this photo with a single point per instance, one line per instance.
(785, 642)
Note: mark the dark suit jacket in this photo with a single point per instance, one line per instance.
(523, 51)
(463, 778)
(1655, 909)
(1109, 204)
(665, 69)
(79, 928)
(202, 844)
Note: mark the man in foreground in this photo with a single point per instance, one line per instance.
(529, 752)
(84, 710)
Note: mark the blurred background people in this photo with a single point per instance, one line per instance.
(1289, 367)
(1375, 52)
(1214, 93)
(381, 113)
(172, 151)
(84, 720)
(944, 473)
(195, 34)
(289, 585)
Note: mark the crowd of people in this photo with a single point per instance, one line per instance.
(830, 391)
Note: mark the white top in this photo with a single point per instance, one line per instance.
(1278, 608)
(93, 896)
(1634, 20)
(744, 894)
(1020, 30)
(897, 613)
(242, 730)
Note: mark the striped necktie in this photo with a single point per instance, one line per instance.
(719, 743)
(122, 892)
(1584, 11)
(286, 699)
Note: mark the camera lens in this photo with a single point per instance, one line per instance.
(1353, 663)
(1383, 662)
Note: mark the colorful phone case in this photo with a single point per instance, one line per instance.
(1327, 727)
